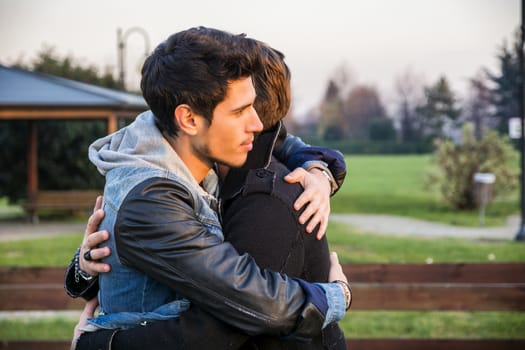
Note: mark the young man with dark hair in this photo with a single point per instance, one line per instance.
(176, 249)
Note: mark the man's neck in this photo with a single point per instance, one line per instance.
(197, 167)
(222, 170)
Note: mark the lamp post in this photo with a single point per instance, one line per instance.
(121, 44)
(520, 236)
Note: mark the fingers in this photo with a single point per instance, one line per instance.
(313, 214)
(94, 221)
(92, 239)
(323, 225)
(304, 198)
(95, 239)
(336, 270)
(298, 175)
(88, 312)
(98, 204)
(334, 259)
(315, 199)
(90, 307)
(98, 254)
(93, 268)
(91, 242)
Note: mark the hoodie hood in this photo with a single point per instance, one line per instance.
(141, 144)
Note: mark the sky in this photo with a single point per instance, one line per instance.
(375, 40)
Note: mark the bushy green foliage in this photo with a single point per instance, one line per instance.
(49, 62)
(62, 156)
(457, 164)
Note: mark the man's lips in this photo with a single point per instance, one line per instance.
(247, 145)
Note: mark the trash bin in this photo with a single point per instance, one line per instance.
(483, 192)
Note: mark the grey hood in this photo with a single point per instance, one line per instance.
(141, 144)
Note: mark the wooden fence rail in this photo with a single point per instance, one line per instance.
(467, 287)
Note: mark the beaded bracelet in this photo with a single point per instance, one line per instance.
(347, 291)
(78, 272)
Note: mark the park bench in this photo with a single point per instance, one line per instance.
(465, 287)
(72, 201)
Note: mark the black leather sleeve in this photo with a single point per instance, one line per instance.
(157, 233)
(81, 288)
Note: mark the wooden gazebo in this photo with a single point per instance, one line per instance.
(34, 97)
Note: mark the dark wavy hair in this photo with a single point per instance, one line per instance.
(194, 67)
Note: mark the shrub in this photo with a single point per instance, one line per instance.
(457, 164)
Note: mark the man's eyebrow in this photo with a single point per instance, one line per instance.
(239, 109)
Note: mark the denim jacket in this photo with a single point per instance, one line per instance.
(136, 158)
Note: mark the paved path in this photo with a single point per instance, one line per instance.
(383, 224)
(396, 225)
(21, 230)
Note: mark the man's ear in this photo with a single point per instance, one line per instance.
(186, 119)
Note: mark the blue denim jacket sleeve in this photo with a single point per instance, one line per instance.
(336, 303)
(295, 153)
(328, 298)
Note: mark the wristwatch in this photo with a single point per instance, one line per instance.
(327, 174)
(347, 292)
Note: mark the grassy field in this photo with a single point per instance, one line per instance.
(396, 185)
(353, 246)
(356, 324)
(375, 184)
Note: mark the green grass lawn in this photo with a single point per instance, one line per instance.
(356, 324)
(355, 246)
(396, 185)
(9, 211)
(51, 251)
(352, 246)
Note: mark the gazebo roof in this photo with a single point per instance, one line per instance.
(21, 88)
(33, 97)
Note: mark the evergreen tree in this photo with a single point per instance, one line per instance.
(47, 61)
(505, 90)
(408, 86)
(331, 123)
(439, 114)
(479, 105)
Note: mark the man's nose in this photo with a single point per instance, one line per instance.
(255, 124)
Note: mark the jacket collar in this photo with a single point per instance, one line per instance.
(259, 157)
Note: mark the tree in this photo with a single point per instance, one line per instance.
(331, 123)
(438, 113)
(47, 61)
(381, 129)
(409, 90)
(479, 105)
(361, 105)
(505, 90)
